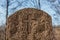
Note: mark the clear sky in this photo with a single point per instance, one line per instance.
(50, 6)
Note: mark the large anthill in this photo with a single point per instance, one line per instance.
(29, 24)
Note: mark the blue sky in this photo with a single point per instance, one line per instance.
(49, 6)
(2, 11)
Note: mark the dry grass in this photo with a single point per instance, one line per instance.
(57, 33)
(2, 33)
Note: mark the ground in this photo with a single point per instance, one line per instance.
(56, 32)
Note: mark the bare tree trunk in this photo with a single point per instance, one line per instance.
(6, 16)
(6, 11)
(39, 4)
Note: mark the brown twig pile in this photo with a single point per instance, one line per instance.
(29, 24)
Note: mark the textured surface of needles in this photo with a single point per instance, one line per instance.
(29, 24)
(56, 33)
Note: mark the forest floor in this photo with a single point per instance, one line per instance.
(2, 33)
(56, 32)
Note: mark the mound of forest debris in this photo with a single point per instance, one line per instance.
(29, 24)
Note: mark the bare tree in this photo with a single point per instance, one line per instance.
(7, 11)
(6, 14)
(39, 4)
